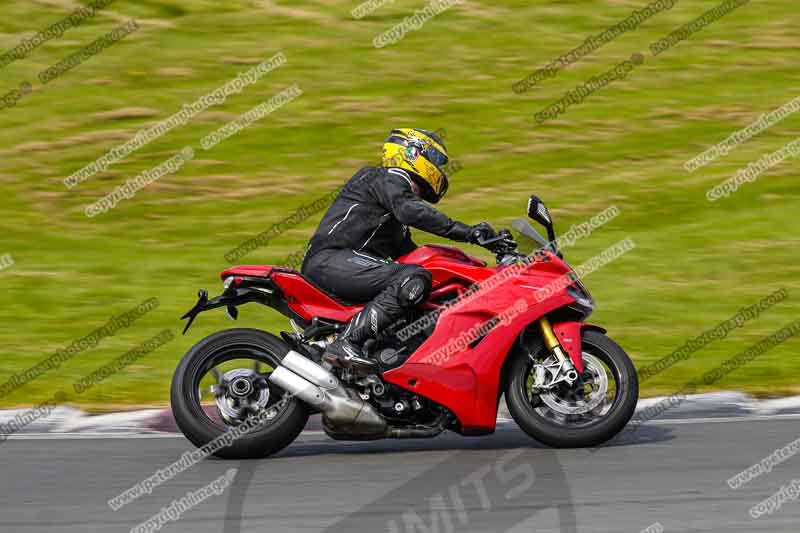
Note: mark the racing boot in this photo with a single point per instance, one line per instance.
(347, 350)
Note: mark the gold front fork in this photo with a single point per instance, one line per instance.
(551, 341)
(548, 335)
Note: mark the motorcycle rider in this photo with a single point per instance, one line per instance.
(368, 223)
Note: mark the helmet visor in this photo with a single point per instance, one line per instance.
(426, 150)
(432, 154)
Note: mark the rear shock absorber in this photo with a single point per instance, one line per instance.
(552, 344)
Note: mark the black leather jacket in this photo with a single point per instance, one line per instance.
(373, 212)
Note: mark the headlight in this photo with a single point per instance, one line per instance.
(227, 282)
(581, 295)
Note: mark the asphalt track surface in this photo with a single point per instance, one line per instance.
(672, 473)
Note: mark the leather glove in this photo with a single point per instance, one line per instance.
(481, 231)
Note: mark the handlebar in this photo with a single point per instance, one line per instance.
(501, 244)
(505, 247)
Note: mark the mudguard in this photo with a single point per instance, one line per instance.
(569, 335)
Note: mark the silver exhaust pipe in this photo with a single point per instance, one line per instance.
(297, 386)
(344, 413)
(305, 367)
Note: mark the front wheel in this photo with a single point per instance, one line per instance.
(588, 412)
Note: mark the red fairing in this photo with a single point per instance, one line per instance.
(308, 301)
(257, 271)
(448, 265)
(437, 252)
(466, 379)
(302, 297)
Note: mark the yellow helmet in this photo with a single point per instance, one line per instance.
(423, 155)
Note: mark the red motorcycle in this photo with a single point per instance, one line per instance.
(516, 329)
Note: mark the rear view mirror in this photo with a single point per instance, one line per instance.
(538, 211)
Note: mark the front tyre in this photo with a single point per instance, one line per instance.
(574, 416)
(222, 382)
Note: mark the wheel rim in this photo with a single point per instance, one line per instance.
(232, 383)
(583, 404)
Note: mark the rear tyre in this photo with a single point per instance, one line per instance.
(550, 423)
(288, 415)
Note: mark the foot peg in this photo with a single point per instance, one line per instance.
(344, 354)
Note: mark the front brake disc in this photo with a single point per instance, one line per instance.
(556, 400)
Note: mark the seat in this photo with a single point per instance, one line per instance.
(339, 299)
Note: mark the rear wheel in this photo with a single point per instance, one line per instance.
(222, 382)
(588, 412)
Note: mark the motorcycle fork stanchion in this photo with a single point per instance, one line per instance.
(551, 342)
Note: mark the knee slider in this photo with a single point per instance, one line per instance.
(414, 288)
